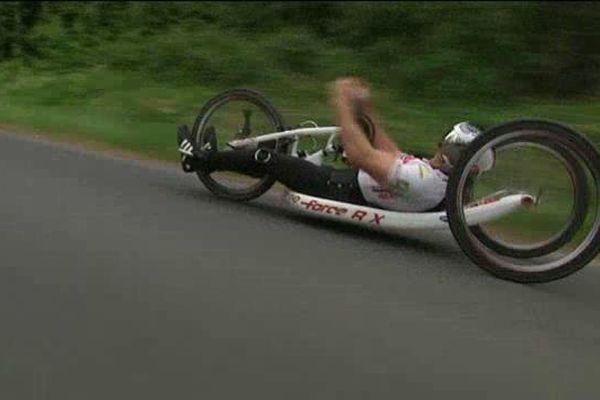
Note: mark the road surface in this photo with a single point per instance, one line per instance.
(125, 279)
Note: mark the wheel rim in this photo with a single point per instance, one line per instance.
(230, 117)
(540, 264)
(573, 219)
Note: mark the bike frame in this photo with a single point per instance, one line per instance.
(295, 135)
(494, 207)
(486, 210)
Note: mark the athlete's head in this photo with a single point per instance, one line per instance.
(456, 141)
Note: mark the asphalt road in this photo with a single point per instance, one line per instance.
(125, 279)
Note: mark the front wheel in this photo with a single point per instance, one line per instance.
(236, 114)
(558, 235)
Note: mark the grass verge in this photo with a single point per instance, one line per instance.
(124, 110)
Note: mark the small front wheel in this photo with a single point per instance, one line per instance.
(236, 114)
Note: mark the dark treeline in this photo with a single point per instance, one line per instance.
(429, 49)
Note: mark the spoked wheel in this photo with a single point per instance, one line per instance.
(552, 237)
(236, 114)
(578, 188)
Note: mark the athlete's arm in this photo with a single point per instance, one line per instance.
(376, 162)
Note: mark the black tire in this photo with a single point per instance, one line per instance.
(199, 131)
(367, 126)
(500, 265)
(576, 219)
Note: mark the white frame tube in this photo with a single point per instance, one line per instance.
(394, 221)
(296, 133)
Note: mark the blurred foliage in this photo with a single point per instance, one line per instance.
(484, 51)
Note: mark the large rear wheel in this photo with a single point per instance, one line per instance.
(550, 239)
(578, 189)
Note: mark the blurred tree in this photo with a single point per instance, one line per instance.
(474, 50)
(8, 29)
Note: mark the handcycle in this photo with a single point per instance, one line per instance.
(534, 217)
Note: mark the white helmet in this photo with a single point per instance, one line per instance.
(457, 140)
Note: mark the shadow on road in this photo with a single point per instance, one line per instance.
(269, 205)
(436, 244)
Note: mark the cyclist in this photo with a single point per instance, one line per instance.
(382, 175)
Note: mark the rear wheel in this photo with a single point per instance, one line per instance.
(237, 114)
(553, 238)
(579, 191)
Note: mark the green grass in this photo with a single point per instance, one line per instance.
(126, 110)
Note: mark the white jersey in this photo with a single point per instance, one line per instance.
(413, 186)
